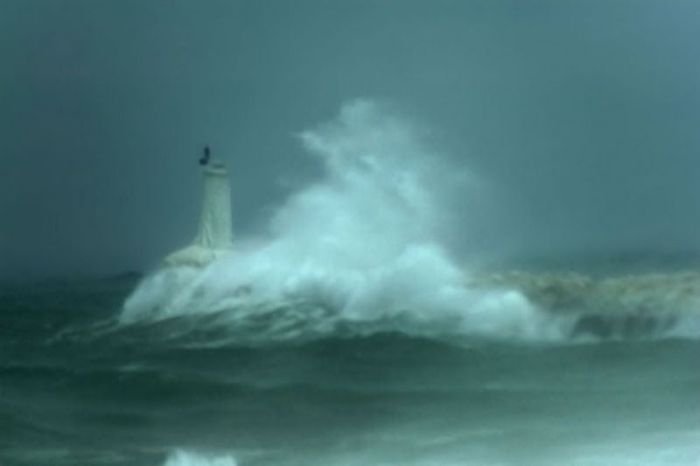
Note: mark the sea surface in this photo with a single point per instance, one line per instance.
(80, 384)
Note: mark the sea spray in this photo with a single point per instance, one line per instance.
(364, 247)
(188, 458)
(642, 305)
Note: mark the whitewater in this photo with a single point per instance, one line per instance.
(367, 248)
(355, 330)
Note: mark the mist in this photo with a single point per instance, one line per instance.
(580, 118)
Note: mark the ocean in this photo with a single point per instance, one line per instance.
(360, 327)
(297, 384)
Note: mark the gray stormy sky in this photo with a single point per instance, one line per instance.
(585, 114)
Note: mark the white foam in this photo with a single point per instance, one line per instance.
(188, 458)
(363, 246)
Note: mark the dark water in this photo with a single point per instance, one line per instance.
(75, 389)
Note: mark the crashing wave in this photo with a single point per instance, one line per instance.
(364, 250)
(627, 306)
(188, 458)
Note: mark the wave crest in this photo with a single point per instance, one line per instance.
(364, 250)
(187, 458)
(364, 247)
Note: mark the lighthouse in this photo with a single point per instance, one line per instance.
(214, 237)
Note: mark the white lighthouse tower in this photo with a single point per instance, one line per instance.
(214, 238)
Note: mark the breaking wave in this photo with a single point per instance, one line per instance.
(188, 458)
(365, 250)
(622, 306)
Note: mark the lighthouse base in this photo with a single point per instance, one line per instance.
(194, 256)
